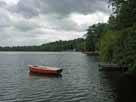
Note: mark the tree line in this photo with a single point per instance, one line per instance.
(116, 40)
(71, 45)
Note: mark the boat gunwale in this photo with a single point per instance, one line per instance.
(45, 67)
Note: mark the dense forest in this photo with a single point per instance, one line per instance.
(115, 41)
(71, 45)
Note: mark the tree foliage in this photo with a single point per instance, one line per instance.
(124, 12)
(76, 44)
(119, 45)
(93, 34)
(116, 41)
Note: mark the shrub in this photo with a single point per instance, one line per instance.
(119, 47)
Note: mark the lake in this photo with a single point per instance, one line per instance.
(80, 81)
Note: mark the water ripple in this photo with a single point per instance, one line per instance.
(80, 81)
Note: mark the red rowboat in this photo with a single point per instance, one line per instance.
(44, 69)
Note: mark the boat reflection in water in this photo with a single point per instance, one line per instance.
(44, 76)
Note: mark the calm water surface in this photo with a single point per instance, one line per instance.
(80, 81)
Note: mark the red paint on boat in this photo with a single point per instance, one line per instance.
(44, 69)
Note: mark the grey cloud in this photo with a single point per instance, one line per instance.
(30, 8)
(4, 22)
(57, 11)
(4, 19)
(3, 4)
(62, 23)
(24, 26)
(67, 6)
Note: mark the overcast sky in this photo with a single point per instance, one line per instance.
(33, 22)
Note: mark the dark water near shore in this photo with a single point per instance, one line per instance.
(80, 81)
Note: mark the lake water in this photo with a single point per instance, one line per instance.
(80, 81)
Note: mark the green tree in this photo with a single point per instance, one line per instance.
(93, 34)
(118, 45)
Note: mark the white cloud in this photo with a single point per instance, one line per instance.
(10, 2)
(19, 25)
(90, 19)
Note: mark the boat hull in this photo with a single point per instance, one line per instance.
(40, 75)
(44, 71)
